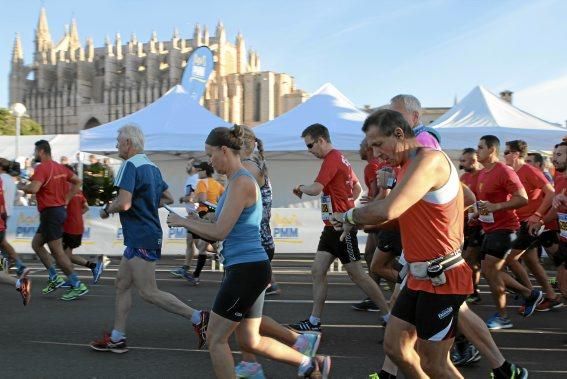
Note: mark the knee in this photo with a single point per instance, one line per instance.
(121, 284)
(248, 343)
(318, 273)
(215, 339)
(147, 294)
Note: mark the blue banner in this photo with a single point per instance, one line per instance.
(197, 72)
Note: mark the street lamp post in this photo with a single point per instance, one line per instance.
(18, 110)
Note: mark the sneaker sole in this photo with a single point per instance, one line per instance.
(76, 297)
(365, 309)
(53, 290)
(500, 327)
(115, 351)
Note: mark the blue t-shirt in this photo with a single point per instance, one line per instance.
(243, 244)
(140, 224)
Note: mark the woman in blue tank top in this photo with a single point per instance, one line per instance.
(239, 302)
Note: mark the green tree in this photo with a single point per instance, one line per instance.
(8, 124)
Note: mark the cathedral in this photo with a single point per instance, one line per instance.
(70, 87)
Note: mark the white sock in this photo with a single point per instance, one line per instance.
(116, 335)
(305, 365)
(196, 317)
(18, 284)
(314, 320)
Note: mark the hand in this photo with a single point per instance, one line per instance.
(534, 227)
(385, 177)
(337, 219)
(365, 199)
(175, 220)
(297, 191)
(487, 207)
(560, 200)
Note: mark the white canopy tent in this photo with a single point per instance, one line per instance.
(327, 106)
(61, 145)
(481, 112)
(173, 123)
(289, 162)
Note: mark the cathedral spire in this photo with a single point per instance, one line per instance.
(42, 37)
(220, 33)
(74, 41)
(206, 36)
(17, 51)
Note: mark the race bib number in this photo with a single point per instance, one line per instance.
(326, 207)
(562, 217)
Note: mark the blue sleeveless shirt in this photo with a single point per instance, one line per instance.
(243, 243)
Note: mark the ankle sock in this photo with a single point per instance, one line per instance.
(74, 280)
(52, 272)
(116, 335)
(305, 366)
(196, 317)
(314, 320)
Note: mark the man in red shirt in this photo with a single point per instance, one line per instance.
(500, 192)
(338, 186)
(73, 230)
(540, 194)
(50, 185)
(23, 284)
(473, 231)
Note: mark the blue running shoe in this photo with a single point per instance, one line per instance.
(191, 279)
(98, 269)
(179, 272)
(532, 302)
(249, 370)
(497, 322)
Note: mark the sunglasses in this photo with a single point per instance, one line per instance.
(508, 152)
(310, 145)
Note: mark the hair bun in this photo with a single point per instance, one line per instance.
(237, 131)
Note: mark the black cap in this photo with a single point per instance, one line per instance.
(204, 166)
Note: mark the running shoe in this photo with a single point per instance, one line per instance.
(469, 355)
(67, 284)
(308, 343)
(25, 290)
(474, 298)
(191, 279)
(201, 329)
(320, 368)
(107, 345)
(532, 302)
(374, 375)
(250, 370)
(549, 304)
(52, 285)
(98, 269)
(516, 372)
(273, 289)
(497, 322)
(366, 305)
(75, 292)
(305, 326)
(179, 272)
(23, 272)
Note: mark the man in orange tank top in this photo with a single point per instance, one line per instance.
(430, 210)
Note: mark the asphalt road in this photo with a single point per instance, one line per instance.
(49, 338)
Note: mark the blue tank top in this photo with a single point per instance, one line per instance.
(243, 244)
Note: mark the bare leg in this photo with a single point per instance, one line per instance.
(382, 265)
(532, 262)
(190, 249)
(218, 332)
(144, 278)
(369, 286)
(271, 328)
(63, 261)
(123, 302)
(75, 259)
(435, 359)
(321, 264)
(38, 245)
(399, 342)
(513, 261)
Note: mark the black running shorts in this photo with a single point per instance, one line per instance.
(560, 257)
(434, 316)
(2, 236)
(497, 243)
(390, 241)
(527, 241)
(51, 222)
(241, 294)
(347, 250)
(548, 238)
(72, 241)
(473, 236)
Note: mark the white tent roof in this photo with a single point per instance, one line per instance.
(172, 123)
(481, 112)
(327, 106)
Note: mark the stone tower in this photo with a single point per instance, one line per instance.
(70, 86)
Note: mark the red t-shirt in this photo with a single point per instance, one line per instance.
(54, 178)
(2, 207)
(533, 181)
(370, 175)
(74, 222)
(471, 180)
(338, 180)
(496, 186)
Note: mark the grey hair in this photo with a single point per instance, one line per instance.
(134, 134)
(410, 103)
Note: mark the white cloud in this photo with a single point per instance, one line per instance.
(547, 99)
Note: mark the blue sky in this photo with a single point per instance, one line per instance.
(371, 50)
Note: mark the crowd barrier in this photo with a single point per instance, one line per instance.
(295, 230)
